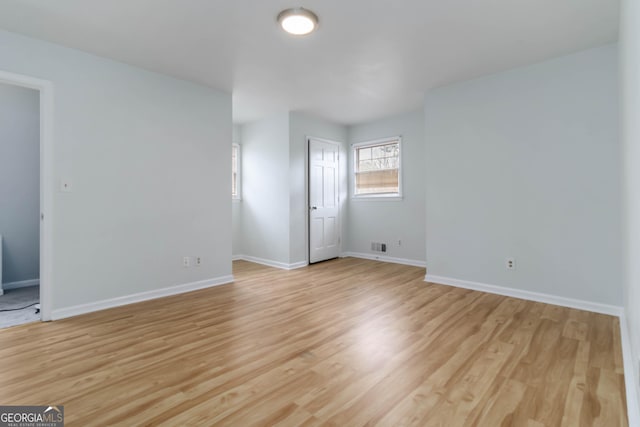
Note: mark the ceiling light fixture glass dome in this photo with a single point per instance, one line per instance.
(298, 21)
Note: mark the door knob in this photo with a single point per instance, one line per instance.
(313, 208)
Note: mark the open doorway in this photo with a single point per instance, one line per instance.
(20, 201)
(26, 106)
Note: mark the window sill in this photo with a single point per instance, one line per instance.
(377, 198)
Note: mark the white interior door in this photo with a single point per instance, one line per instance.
(324, 210)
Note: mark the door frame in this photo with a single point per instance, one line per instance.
(307, 190)
(45, 88)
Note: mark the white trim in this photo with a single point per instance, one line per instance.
(377, 141)
(271, 263)
(20, 284)
(299, 264)
(77, 310)
(328, 141)
(612, 310)
(630, 380)
(386, 198)
(384, 258)
(46, 182)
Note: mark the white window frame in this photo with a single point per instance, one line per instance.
(373, 196)
(238, 195)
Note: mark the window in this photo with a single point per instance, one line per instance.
(377, 168)
(235, 171)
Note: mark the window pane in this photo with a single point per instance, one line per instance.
(377, 152)
(234, 171)
(377, 182)
(377, 169)
(234, 184)
(366, 165)
(364, 153)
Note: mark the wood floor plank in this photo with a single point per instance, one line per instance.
(576, 393)
(466, 394)
(348, 342)
(501, 405)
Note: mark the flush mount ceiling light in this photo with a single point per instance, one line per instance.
(298, 21)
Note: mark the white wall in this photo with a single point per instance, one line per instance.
(302, 126)
(270, 223)
(389, 221)
(264, 217)
(630, 135)
(148, 157)
(19, 183)
(525, 164)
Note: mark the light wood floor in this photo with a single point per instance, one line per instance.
(343, 343)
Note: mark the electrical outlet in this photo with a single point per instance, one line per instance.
(510, 263)
(198, 261)
(186, 262)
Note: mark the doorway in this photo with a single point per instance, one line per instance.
(20, 205)
(23, 289)
(324, 206)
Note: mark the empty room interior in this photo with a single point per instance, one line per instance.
(321, 213)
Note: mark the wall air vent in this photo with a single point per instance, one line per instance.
(378, 247)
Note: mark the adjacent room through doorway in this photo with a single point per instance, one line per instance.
(20, 205)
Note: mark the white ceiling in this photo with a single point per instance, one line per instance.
(369, 58)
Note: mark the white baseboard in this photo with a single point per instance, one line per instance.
(76, 310)
(299, 264)
(384, 258)
(612, 310)
(20, 284)
(630, 380)
(271, 263)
